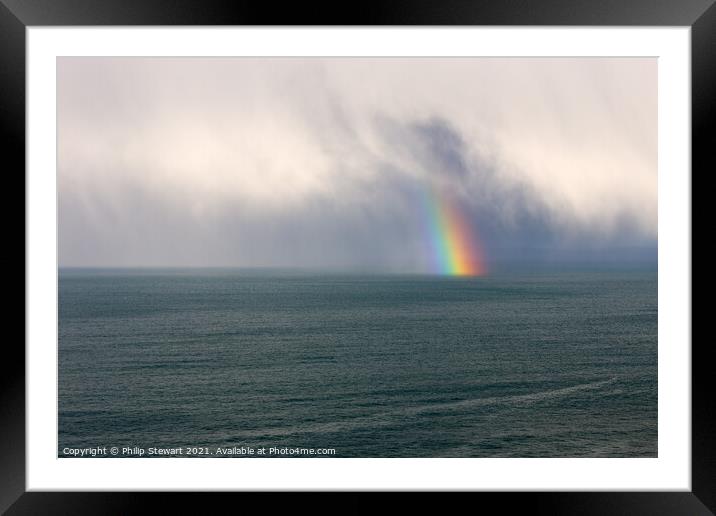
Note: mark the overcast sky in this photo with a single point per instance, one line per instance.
(315, 162)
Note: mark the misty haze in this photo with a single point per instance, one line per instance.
(324, 162)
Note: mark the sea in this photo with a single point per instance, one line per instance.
(310, 364)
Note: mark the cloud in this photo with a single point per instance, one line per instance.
(321, 162)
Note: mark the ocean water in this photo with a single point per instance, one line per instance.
(546, 364)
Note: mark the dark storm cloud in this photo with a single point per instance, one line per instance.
(512, 220)
(443, 146)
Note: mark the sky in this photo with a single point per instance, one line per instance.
(336, 162)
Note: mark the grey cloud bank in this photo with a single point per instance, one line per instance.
(324, 162)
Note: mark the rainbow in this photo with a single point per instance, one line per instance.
(455, 248)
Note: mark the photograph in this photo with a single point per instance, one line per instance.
(357, 257)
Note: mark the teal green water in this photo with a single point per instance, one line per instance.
(511, 365)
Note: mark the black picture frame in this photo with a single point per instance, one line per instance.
(17, 15)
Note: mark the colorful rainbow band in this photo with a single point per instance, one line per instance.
(456, 250)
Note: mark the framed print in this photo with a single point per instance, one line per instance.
(442, 249)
